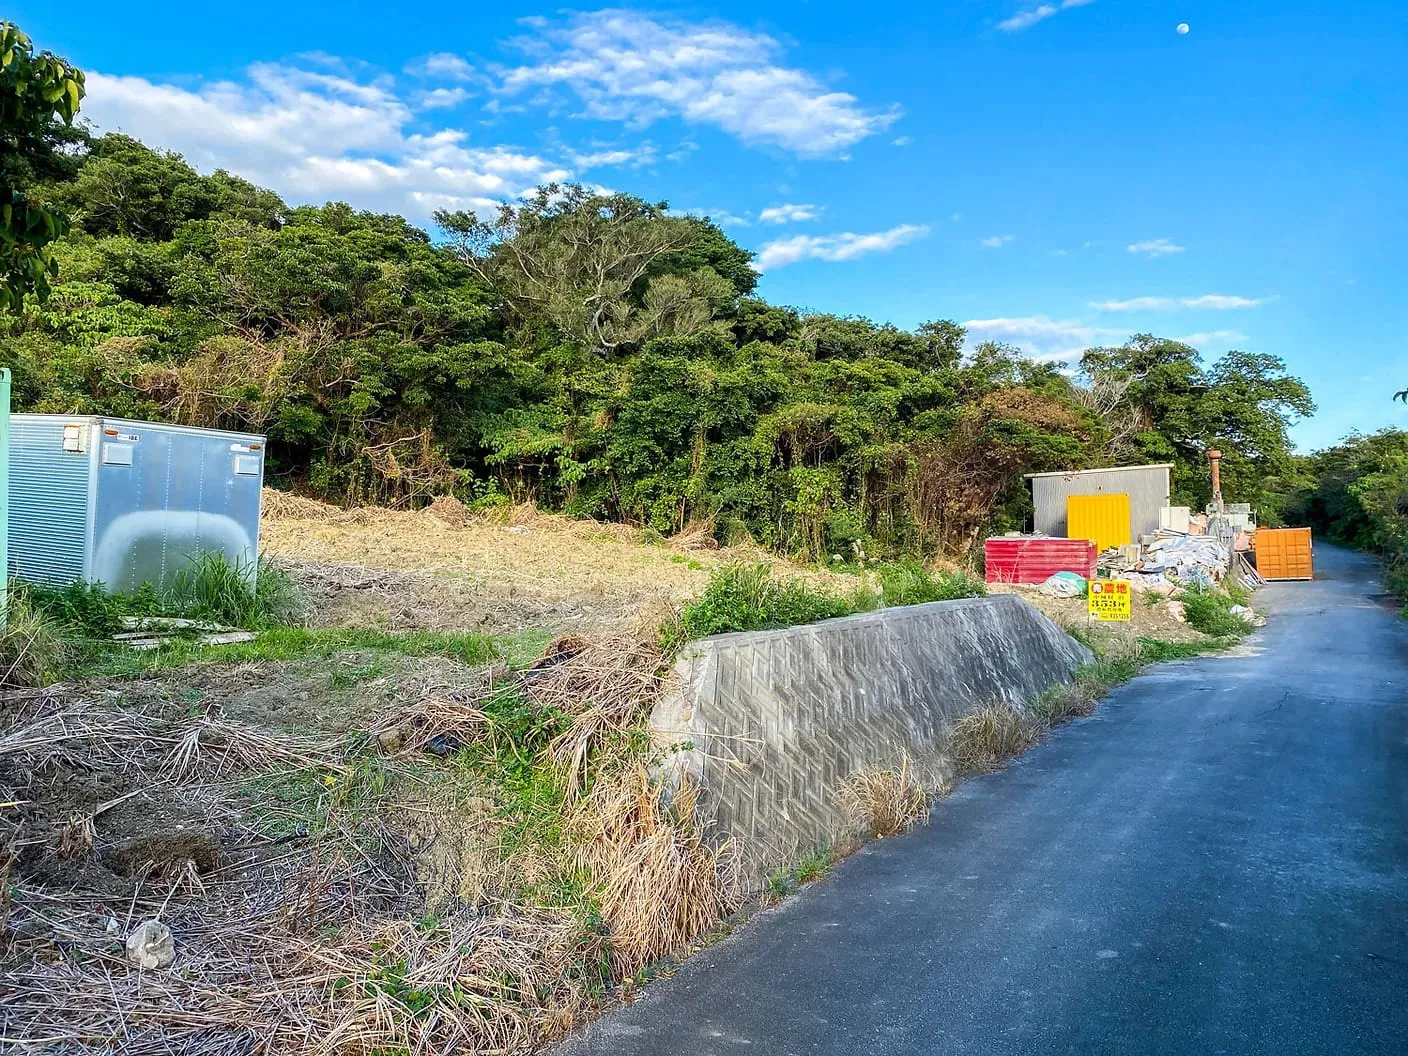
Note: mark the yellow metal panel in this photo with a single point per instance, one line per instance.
(1103, 518)
(1284, 553)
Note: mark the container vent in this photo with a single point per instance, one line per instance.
(48, 503)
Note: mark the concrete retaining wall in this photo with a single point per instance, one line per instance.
(772, 722)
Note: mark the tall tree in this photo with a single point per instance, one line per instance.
(596, 267)
(39, 96)
(1243, 404)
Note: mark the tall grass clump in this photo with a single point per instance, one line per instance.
(748, 597)
(886, 801)
(910, 583)
(241, 594)
(1210, 611)
(659, 882)
(31, 646)
(983, 740)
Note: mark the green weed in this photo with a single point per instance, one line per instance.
(813, 865)
(253, 596)
(747, 597)
(910, 583)
(1209, 610)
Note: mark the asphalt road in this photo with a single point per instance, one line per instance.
(1216, 862)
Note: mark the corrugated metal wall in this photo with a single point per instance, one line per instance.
(48, 501)
(1146, 486)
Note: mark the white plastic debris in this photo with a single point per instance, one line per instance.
(151, 945)
(1065, 585)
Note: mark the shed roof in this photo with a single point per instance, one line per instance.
(1107, 469)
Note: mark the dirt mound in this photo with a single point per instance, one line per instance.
(1149, 616)
(166, 855)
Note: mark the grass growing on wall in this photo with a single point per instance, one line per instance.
(749, 597)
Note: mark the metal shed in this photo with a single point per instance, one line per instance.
(1146, 486)
(122, 503)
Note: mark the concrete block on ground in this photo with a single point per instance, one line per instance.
(771, 723)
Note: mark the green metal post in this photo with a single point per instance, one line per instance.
(4, 494)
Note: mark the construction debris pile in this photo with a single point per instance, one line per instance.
(1169, 560)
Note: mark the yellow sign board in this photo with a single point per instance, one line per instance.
(1109, 600)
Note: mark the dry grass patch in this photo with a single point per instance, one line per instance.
(885, 800)
(606, 686)
(983, 740)
(516, 565)
(660, 883)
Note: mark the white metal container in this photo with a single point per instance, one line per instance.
(122, 503)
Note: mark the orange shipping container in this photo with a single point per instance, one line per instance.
(1283, 553)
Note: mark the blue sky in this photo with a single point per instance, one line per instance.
(1055, 173)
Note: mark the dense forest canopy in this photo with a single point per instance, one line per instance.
(595, 353)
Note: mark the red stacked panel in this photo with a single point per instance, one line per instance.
(1023, 560)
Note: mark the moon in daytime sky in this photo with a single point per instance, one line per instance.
(1183, 29)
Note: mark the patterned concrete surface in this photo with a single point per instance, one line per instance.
(774, 721)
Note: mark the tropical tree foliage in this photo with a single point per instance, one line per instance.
(1356, 493)
(39, 96)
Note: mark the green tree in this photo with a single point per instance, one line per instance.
(597, 268)
(39, 96)
(1244, 405)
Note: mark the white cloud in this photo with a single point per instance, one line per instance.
(846, 246)
(442, 98)
(1032, 15)
(634, 157)
(1135, 304)
(1157, 247)
(1214, 301)
(998, 241)
(789, 213)
(1224, 338)
(314, 135)
(1041, 337)
(901, 141)
(1222, 302)
(627, 66)
(443, 65)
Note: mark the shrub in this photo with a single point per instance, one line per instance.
(910, 583)
(1210, 611)
(89, 607)
(747, 597)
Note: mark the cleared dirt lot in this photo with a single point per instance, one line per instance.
(445, 569)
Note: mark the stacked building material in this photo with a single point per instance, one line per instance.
(1171, 559)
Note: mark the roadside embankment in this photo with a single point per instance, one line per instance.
(772, 723)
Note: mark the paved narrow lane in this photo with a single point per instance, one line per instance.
(1216, 862)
